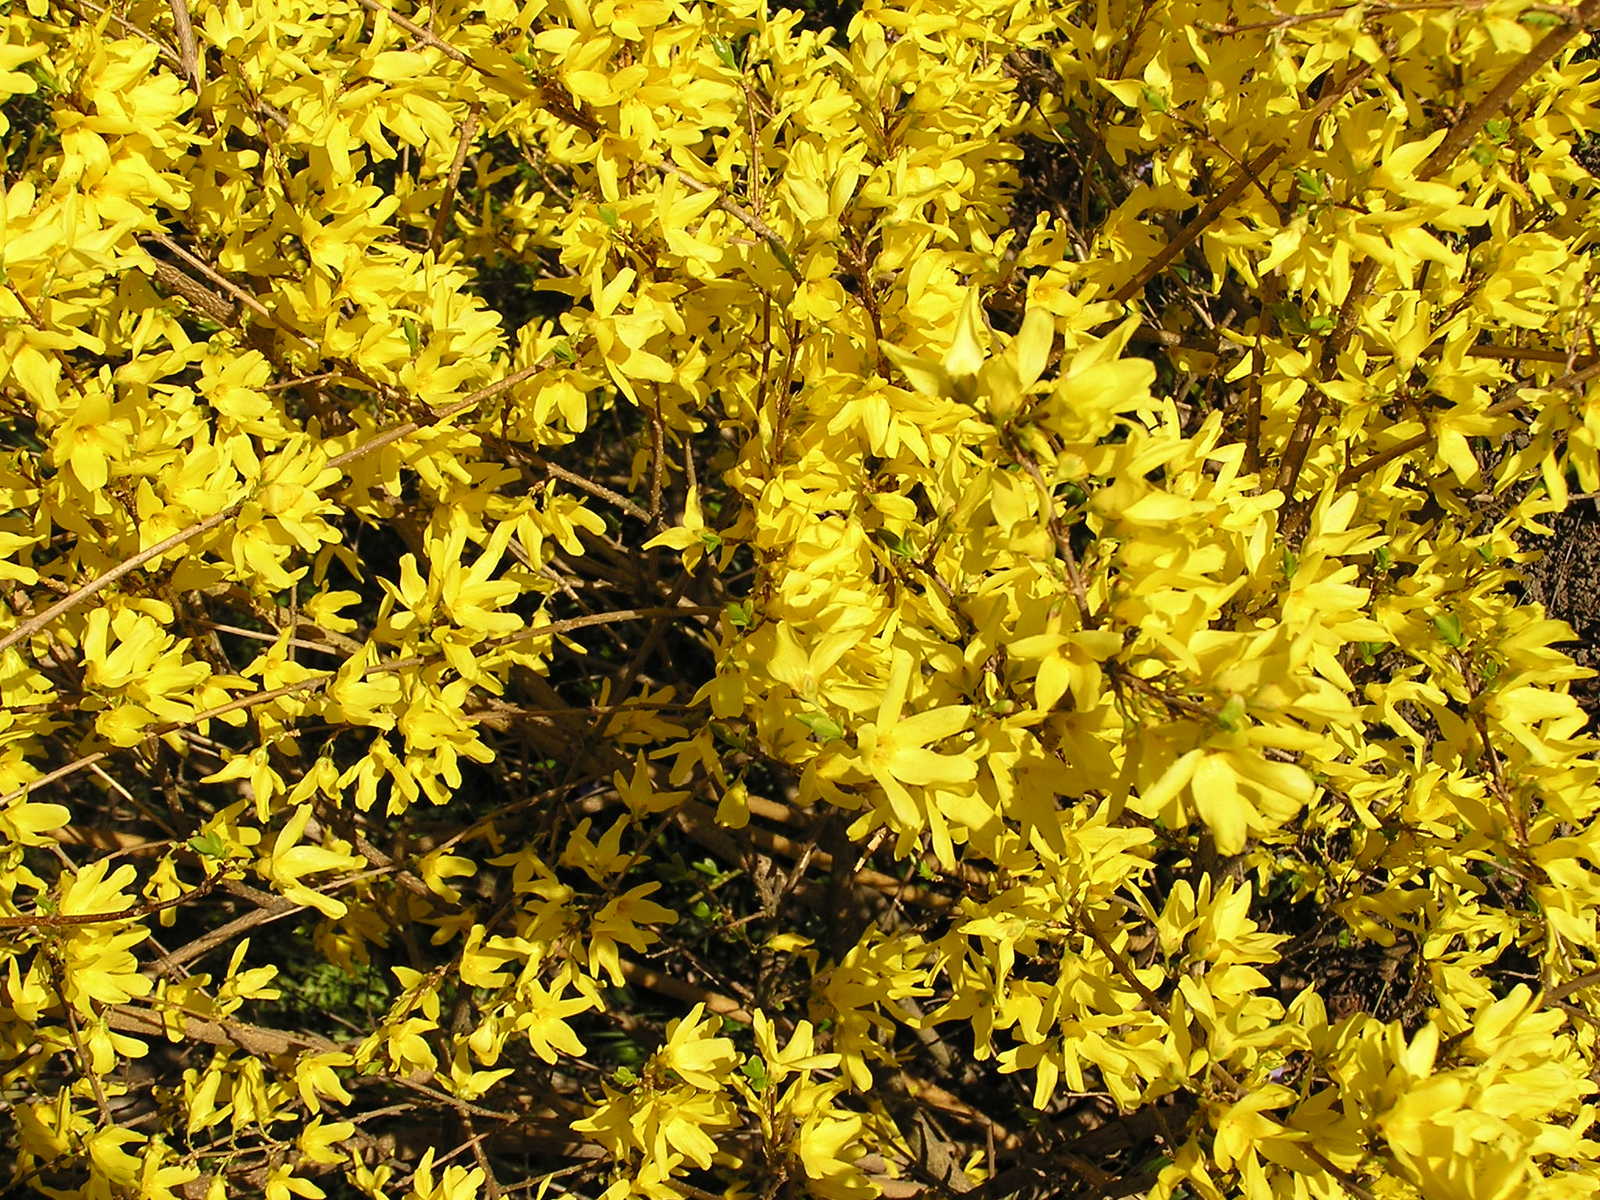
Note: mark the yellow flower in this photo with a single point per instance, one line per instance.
(289, 863)
(700, 1060)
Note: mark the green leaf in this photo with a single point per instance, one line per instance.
(726, 736)
(413, 340)
(1484, 155)
(784, 257)
(1154, 99)
(1448, 626)
(1232, 716)
(822, 725)
(1540, 20)
(564, 351)
(1292, 319)
(609, 216)
(207, 845)
(754, 1069)
(42, 76)
(739, 615)
(1497, 130)
(725, 52)
(1310, 182)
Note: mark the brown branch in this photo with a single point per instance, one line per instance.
(196, 295)
(70, 601)
(1562, 991)
(59, 920)
(253, 699)
(276, 909)
(1348, 1181)
(253, 1039)
(639, 975)
(948, 1101)
(58, 972)
(421, 33)
(598, 490)
(1121, 965)
(1443, 155)
(1383, 458)
(1528, 354)
(1466, 128)
(1298, 448)
(221, 281)
(1063, 541)
(743, 215)
(469, 129)
(1252, 406)
(38, 323)
(166, 51)
(189, 52)
(1197, 225)
(1242, 180)
(699, 821)
(1289, 20)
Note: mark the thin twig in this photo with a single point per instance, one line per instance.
(58, 970)
(60, 920)
(1063, 541)
(253, 699)
(469, 129)
(1242, 179)
(1383, 458)
(1197, 225)
(188, 51)
(1443, 155)
(1466, 128)
(598, 490)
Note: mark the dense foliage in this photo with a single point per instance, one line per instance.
(669, 598)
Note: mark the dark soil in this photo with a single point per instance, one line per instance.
(1567, 582)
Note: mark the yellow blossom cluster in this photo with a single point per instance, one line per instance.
(680, 598)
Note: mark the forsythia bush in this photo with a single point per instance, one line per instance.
(673, 598)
